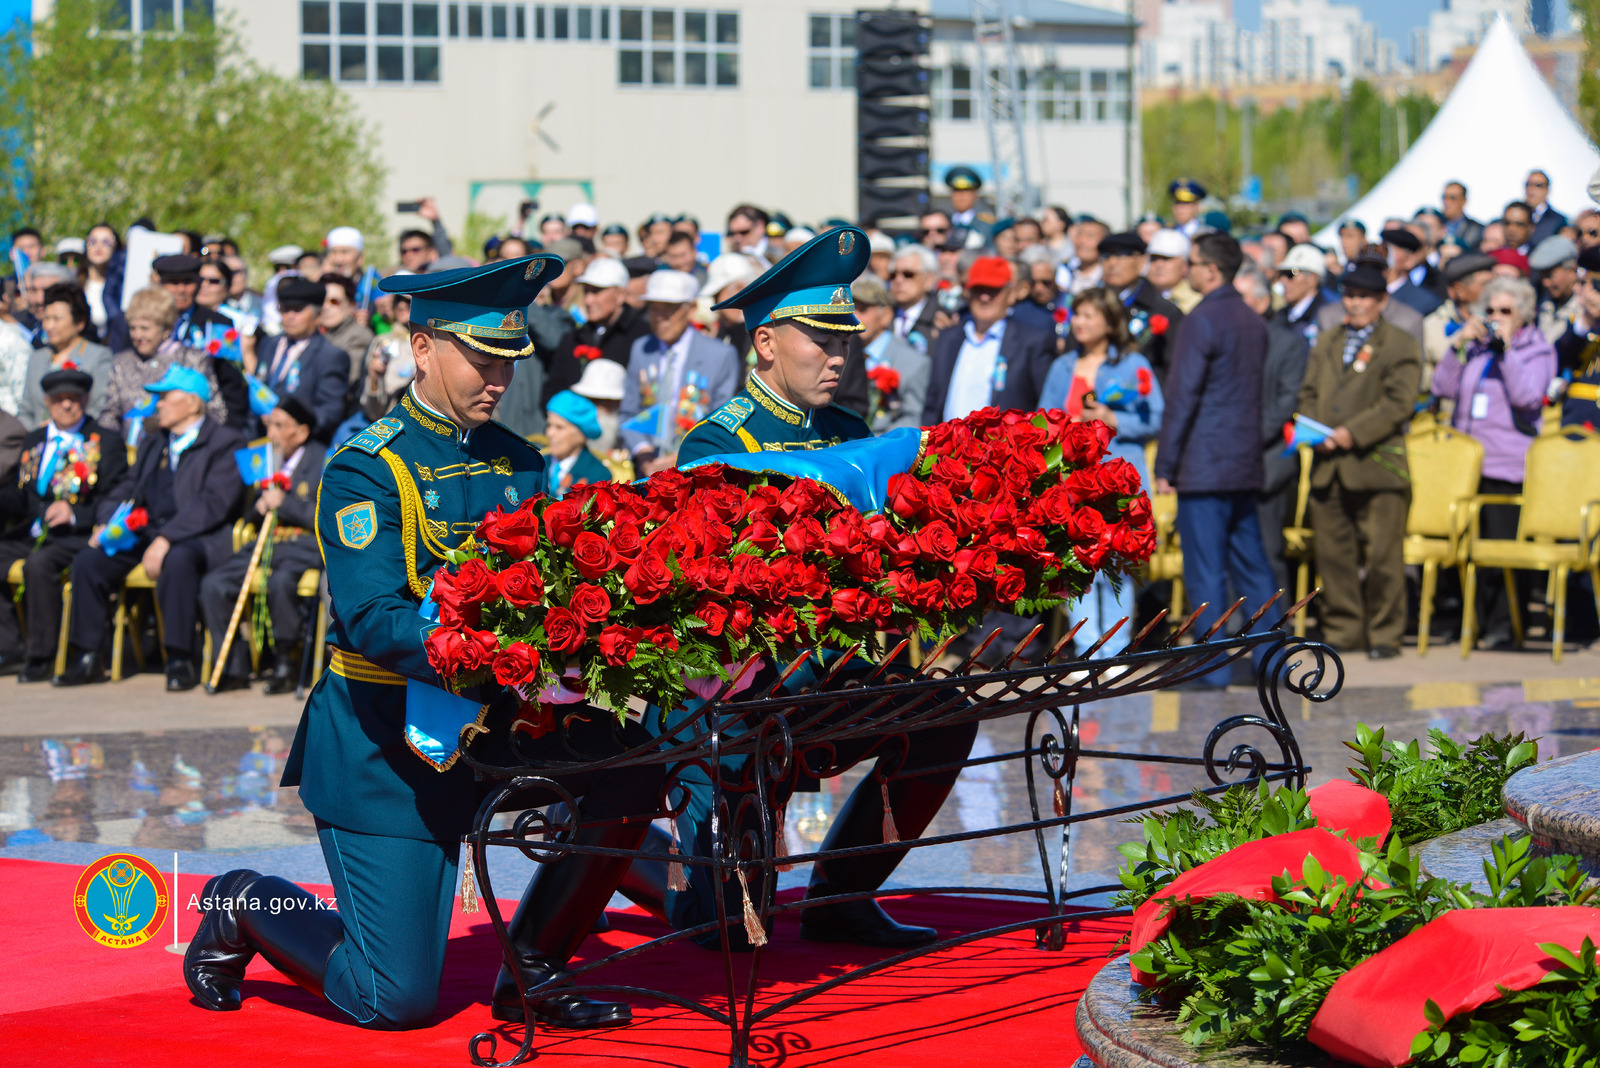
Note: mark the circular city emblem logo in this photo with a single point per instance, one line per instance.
(121, 901)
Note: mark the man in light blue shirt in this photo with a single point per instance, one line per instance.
(980, 370)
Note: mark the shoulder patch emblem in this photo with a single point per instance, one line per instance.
(373, 439)
(732, 415)
(358, 524)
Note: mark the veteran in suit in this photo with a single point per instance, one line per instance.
(896, 399)
(47, 513)
(676, 375)
(987, 360)
(294, 552)
(574, 421)
(1362, 380)
(390, 805)
(301, 362)
(186, 480)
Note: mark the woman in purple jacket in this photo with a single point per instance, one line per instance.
(1496, 375)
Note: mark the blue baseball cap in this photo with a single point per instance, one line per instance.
(185, 378)
(579, 411)
(484, 307)
(810, 285)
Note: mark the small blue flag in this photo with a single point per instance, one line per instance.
(368, 288)
(262, 399)
(222, 342)
(1304, 431)
(255, 463)
(116, 537)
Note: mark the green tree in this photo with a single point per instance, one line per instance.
(1588, 12)
(104, 124)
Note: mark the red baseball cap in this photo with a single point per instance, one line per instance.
(989, 272)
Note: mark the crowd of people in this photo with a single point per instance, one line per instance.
(135, 394)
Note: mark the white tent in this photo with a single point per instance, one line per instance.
(1499, 122)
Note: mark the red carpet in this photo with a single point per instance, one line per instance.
(65, 999)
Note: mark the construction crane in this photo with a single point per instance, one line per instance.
(1000, 98)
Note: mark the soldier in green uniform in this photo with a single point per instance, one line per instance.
(390, 807)
(801, 314)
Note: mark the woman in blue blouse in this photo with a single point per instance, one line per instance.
(1102, 378)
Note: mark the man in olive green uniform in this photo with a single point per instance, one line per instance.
(392, 801)
(1362, 381)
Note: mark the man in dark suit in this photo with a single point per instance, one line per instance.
(1281, 375)
(913, 276)
(1207, 450)
(1152, 319)
(988, 360)
(1460, 227)
(1362, 381)
(47, 512)
(303, 363)
(12, 431)
(1412, 279)
(1546, 220)
(180, 277)
(186, 480)
(294, 552)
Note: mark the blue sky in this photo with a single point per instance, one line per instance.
(1394, 18)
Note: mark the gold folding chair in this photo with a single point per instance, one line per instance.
(1445, 465)
(1299, 546)
(1558, 530)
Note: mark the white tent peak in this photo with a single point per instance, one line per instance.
(1499, 122)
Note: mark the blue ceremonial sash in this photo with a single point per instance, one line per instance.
(859, 470)
(57, 447)
(435, 716)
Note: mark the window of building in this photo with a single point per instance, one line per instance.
(539, 33)
(1108, 95)
(359, 42)
(831, 51)
(1058, 95)
(522, 21)
(499, 21)
(561, 23)
(455, 20)
(691, 49)
(474, 20)
(951, 88)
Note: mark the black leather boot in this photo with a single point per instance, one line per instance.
(860, 822)
(83, 668)
(213, 965)
(645, 881)
(181, 674)
(285, 673)
(292, 929)
(556, 913)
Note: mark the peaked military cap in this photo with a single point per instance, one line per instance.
(485, 307)
(1128, 243)
(810, 285)
(962, 178)
(1186, 191)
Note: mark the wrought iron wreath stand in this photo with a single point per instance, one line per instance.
(780, 729)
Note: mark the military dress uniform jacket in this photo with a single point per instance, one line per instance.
(1579, 352)
(758, 420)
(106, 458)
(1373, 402)
(393, 500)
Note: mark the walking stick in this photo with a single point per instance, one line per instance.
(244, 594)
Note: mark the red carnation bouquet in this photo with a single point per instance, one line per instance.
(639, 590)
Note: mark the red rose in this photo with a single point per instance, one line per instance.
(213, 347)
(618, 644)
(986, 482)
(1053, 507)
(742, 620)
(516, 533)
(625, 542)
(596, 499)
(563, 522)
(937, 540)
(587, 352)
(753, 577)
(661, 637)
(760, 503)
(846, 535)
(137, 519)
(884, 379)
(1009, 584)
(1159, 324)
(952, 473)
(475, 583)
(590, 603)
(1120, 477)
(444, 647)
(563, 631)
(478, 649)
(980, 562)
(1084, 444)
(1145, 381)
(647, 578)
(783, 622)
(960, 591)
(763, 535)
(803, 536)
(1138, 511)
(593, 556)
(521, 584)
(804, 497)
(908, 497)
(1060, 315)
(851, 605)
(715, 615)
(882, 612)
(903, 584)
(517, 665)
(81, 470)
(1086, 525)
